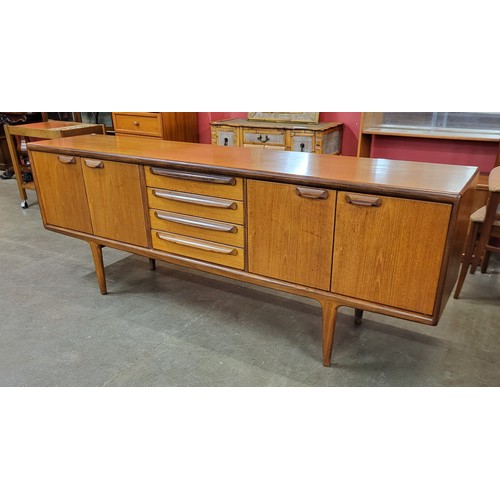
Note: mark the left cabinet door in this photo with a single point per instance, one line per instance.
(117, 207)
(61, 191)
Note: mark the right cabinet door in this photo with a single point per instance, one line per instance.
(290, 232)
(389, 250)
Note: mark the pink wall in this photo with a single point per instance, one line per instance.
(476, 153)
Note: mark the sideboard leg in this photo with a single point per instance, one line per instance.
(329, 317)
(152, 264)
(99, 266)
(358, 315)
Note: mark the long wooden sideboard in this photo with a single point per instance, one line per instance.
(377, 235)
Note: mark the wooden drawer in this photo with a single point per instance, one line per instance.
(199, 249)
(269, 137)
(220, 209)
(194, 182)
(205, 229)
(145, 124)
(264, 146)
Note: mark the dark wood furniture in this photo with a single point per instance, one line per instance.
(484, 232)
(377, 235)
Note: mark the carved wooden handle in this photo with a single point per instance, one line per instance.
(66, 159)
(193, 176)
(313, 193)
(364, 200)
(188, 220)
(196, 199)
(94, 163)
(202, 245)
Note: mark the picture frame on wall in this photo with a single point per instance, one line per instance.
(288, 117)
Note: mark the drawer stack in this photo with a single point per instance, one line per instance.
(197, 215)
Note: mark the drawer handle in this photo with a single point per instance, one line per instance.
(263, 140)
(94, 163)
(312, 193)
(226, 141)
(135, 123)
(197, 222)
(193, 176)
(363, 200)
(202, 245)
(196, 199)
(66, 159)
(302, 146)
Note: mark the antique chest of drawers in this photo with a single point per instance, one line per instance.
(323, 138)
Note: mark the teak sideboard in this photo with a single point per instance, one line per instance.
(377, 235)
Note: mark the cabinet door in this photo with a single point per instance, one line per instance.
(115, 199)
(61, 191)
(389, 250)
(290, 232)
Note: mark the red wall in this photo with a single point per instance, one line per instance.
(476, 153)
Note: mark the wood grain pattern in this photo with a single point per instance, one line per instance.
(424, 180)
(390, 254)
(230, 214)
(197, 227)
(290, 237)
(233, 191)
(61, 191)
(115, 201)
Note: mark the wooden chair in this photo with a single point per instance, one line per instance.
(484, 232)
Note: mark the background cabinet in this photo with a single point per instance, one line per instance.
(323, 138)
(168, 126)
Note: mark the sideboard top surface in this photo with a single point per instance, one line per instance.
(345, 172)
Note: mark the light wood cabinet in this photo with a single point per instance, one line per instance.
(98, 197)
(290, 232)
(368, 234)
(170, 126)
(115, 200)
(325, 138)
(61, 191)
(402, 269)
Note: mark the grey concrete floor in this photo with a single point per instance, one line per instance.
(176, 327)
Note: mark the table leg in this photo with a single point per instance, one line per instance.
(99, 266)
(11, 143)
(329, 318)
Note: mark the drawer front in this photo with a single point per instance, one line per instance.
(194, 182)
(195, 248)
(268, 137)
(205, 229)
(147, 124)
(219, 209)
(224, 136)
(303, 143)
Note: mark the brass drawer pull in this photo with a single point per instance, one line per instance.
(187, 220)
(135, 123)
(66, 159)
(263, 140)
(202, 245)
(363, 200)
(193, 176)
(312, 193)
(94, 163)
(195, 199)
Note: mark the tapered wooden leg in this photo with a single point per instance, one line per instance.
(466, 262)
(99, 266)
(485, 261)
(329, 317)
(358, 315)
(152, 264)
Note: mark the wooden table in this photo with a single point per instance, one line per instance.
(42, 130)
(379, 235)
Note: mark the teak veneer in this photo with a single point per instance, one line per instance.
(378, 235)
